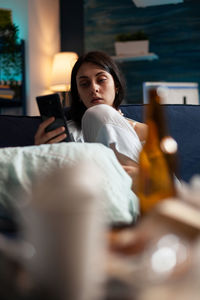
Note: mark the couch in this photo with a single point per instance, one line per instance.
(183, 123)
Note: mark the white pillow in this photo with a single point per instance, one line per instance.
(21, 165)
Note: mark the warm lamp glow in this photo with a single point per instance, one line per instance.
(63, 63)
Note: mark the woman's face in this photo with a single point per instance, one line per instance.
(95, 85)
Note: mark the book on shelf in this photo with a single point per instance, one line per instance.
(6, 92)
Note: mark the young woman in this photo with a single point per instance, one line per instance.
(97, 90)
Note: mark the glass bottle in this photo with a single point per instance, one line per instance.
(157, 161)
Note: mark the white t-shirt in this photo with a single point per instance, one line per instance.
(103, 124)
(75, 133)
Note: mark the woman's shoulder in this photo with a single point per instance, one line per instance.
(140, 128)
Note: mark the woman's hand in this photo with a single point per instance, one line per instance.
(133, 173)
(54, 136)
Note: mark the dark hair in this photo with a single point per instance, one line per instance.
(106, 63)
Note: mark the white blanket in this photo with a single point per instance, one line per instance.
(20, 165)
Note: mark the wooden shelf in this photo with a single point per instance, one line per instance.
(149, 56)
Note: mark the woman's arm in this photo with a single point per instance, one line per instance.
(133, 173)
(140, 128)
(54, 136)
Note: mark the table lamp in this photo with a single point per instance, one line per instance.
(63, 63)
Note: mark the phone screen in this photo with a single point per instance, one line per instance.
(50, 106)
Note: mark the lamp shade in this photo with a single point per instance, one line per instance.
(63, 63)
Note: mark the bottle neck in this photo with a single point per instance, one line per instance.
(155, 111)
(152, 141)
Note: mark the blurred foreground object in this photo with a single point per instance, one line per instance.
(190, 192)
(60, 250)
(65, 226)
(157, 162)
(159, 259)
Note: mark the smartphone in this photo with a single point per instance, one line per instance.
(50, 106)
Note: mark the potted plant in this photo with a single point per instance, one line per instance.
(10, 60)
(9, 52)
(132, 44)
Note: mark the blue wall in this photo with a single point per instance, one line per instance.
(174, 32)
